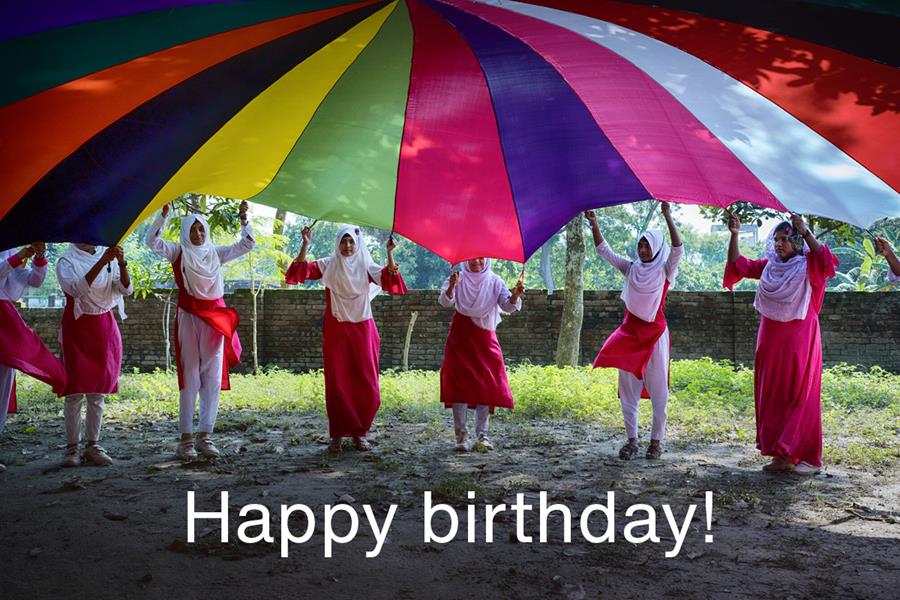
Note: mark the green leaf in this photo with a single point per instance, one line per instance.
(870, 249)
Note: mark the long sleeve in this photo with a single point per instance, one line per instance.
(71, 283)
(302, 271)
(675, 257)
(743, 268)
(159, 246)
(9, 263)
(32, 276)
(125, 291)
(444, 301)
(241, 247)
(392, 283)
(36, 274)
(605, 251)
(820, 266)
(504, 302)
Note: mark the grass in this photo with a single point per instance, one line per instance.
(710, 402)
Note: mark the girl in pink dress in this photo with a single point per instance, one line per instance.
(639, 348)
(94, 280)
(22, 349)
(473, 374)
(787, 373)
(350, 341)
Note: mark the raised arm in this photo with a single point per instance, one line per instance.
(446, 298)
(808, 237)
(244, 244)
(734, 226)
(677, 247)
(35, 274)
(512, 301)
(389, 279)
(884, 248)
(124, 283)
(154, 241)
(666, 210)
(306, 236)
(591, 216)
(14, 260)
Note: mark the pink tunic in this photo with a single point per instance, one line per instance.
(24, 351)
(350, 356)
(91, 352)
(473, 371)
(787, 380)
(215, 314)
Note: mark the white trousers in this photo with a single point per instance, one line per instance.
(94, 421)
(201, 349)
(7, 379)
(461, 416)
(656, 380)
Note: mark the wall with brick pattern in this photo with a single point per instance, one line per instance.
(857, 328)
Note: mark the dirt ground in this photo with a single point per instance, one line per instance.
(120, 531)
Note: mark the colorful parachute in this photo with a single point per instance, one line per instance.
(472, 127)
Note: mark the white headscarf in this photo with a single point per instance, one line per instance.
(784, 290)
(200, 266)
(103, 294)
(644, 282)
(348, 279)
(477, 295)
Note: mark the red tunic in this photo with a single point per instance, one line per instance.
(24, 351)
(215, 314)
(787, 373)
(631, 345)
(91, 352)
(350, 359)
(473, 371)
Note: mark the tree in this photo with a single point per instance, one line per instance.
(263, 267)
(278, 231)
(568, 345)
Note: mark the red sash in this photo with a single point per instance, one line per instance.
(215, 314)
(631, 345)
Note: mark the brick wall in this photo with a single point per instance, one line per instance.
(858, 328)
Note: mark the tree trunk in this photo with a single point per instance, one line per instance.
(406, 343)
(277, 230)
(568, 346)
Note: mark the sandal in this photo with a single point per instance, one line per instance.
(334, 447)
(362, 444)
(654, 451)
(628, 451)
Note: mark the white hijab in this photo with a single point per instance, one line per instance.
(103, 294)
(644, 282)
(200, 266)
(477, 295)
(784, 290)
(348, 279)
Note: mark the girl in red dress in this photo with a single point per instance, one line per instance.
(94, 280)
(473, 374)
(639, 348)
(787, 372)
(350, 341)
